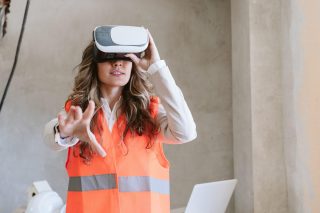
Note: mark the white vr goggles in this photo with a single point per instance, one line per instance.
(114, 42)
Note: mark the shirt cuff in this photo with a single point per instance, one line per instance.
(66, 142)
(158, 65)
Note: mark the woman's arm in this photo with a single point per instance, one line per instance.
(52, 137)
(74, 126)
(176, 120)
(174, 116)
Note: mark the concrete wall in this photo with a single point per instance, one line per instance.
(269, 175)
(241, 102)
(290, 33)
(257, 107)
(275, 49)
(192, 36)
(301, 50)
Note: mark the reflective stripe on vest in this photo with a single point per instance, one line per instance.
(126, 184)
(143, 183)
(95, 182)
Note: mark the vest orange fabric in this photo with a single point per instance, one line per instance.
(130, 179)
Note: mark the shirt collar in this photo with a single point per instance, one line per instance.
(106, 105)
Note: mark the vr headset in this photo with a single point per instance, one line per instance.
(114, 42)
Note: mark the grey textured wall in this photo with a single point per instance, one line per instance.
(192, 36)
(257, 86)
(241, 102)
(290, 23)
(276, 117)
(301, 64)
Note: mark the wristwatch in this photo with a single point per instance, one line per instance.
(57, 133)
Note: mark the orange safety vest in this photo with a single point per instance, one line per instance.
(130, 179)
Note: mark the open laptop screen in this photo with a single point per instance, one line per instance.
(211, 197)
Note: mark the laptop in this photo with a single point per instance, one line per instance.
(210, 197)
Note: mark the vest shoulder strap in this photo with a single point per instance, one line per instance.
(67, 105)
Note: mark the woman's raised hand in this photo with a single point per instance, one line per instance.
(151, 55)
(76, 123)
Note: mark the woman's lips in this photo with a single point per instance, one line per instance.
(116, 72)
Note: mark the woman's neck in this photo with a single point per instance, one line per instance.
(111, 94)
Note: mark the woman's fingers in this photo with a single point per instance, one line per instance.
(152, 50)
(88, 114)
(61, 119)
(77, 113)
(151, 41)
(153, 46)
(70, 116)
(142, 64)
(134, 58)
(151, 55)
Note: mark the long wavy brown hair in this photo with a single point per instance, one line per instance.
(135, 100)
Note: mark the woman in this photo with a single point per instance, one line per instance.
(113, 101)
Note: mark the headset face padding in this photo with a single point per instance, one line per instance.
(100, 56)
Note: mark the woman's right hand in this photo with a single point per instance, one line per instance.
(76, 123)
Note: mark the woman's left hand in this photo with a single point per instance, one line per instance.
(151, 55)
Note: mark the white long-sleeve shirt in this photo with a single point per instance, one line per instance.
(174, 116)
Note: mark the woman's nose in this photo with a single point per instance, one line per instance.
(117, 63)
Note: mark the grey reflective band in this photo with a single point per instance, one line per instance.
(143, 183)
(126, 183)
(96, 182)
